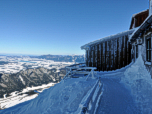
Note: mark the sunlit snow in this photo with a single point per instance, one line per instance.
(125, 91)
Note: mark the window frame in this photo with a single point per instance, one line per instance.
(136, 51)
(148, 48)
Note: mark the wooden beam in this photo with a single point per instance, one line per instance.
(110, 61)
(106, 55)
(117, 53)
(101, 61)
(98, 58)
(125, 53)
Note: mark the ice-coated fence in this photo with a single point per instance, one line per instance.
(75, 65)
(88, 103)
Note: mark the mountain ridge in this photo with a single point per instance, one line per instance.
(28, 78)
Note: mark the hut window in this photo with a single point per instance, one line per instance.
(136, 51)
(148, 49)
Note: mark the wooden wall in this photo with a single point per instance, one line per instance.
(109, 55)
(138, 19)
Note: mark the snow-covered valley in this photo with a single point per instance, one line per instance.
(16, 64)
(26, 94)
(124, 91)
(23, 78)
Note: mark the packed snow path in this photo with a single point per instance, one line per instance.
(127, 91)
(116, 99)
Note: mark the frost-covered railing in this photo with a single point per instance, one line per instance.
(79, 69)
(67, 75)
(74, 66)
(91, 74)
(79, 65)
(89, 103)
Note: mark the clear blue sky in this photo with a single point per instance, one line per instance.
(61, 26)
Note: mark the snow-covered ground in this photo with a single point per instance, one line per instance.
(116, 99)
(18, 63)
(19, 97)
(137, 79)
(63, 98)
(126, 91)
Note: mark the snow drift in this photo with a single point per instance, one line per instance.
(63, 98)
(138, 80)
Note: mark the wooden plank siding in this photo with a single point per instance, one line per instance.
(112, 54)
(101, 54)
(114, 51)
(125, 51)
(90, 57)
(117, 54)
(109, 55)
(114, 47)
(122, 57)
(93, 57)
(94, 63)
(98, 58)
(103, 57)
(129, 52)
(86, 58)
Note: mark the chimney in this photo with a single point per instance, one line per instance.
(150, 7)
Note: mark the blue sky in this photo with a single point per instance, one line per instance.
(61, 26)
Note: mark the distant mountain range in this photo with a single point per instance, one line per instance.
(56, 58)
(35, 77)
(3, 62)
(62, 58)
(30, 77)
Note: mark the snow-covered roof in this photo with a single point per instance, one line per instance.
(139, 13)
(128, 32)
(138, 30)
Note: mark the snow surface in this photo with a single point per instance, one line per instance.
(22, 79)
(16, 100)
(126, 91)
(63, 98)
(139, 81)
(116, 99)
(19, 97)
(17, 64)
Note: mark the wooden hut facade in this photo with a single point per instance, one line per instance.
(109, 53)
(117, 51)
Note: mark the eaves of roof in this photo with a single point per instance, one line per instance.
(107, 38)
(141, 28)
